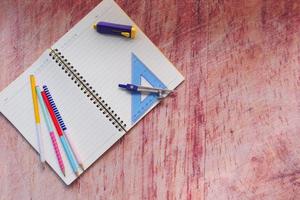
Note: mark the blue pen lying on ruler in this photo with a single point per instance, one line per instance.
(136, 88)
(63, 126)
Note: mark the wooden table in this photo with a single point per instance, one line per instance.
(232, 132)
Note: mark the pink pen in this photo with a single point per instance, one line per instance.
(51, 130)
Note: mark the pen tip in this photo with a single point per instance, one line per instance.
(81, 166)
(122, 86)
(77, 173)
(63, 171)
(95, 26)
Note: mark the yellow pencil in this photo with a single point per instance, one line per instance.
(37, 119)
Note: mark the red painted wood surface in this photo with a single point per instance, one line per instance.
(232, 132)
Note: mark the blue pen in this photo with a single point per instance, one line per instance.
(65, 145)
(63, 127)
(136, 88)
(50, 129)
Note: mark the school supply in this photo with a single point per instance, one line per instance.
(61, 136)
(83, 69)
(137, 88)
(37, 120)
(116, 29)
(63, 127)
(51, 131)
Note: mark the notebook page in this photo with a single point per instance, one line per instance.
(105, 61)
(88, 127)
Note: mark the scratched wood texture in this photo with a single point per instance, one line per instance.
(232, 131)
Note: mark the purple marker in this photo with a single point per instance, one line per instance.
(116, 29)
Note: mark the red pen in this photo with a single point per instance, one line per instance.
(62, 138)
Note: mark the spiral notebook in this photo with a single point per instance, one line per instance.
(83, 70)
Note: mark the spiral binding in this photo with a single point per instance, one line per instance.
(87, 89)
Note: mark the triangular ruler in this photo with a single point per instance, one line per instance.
(138, 106)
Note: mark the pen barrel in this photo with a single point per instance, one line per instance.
(74, 148)
(70, 155)
(148, 90)
(113, 29)
(57, 152)
(40, 142)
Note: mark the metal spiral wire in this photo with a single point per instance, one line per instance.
(88, 90)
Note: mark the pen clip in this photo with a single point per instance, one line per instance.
(125, 34)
